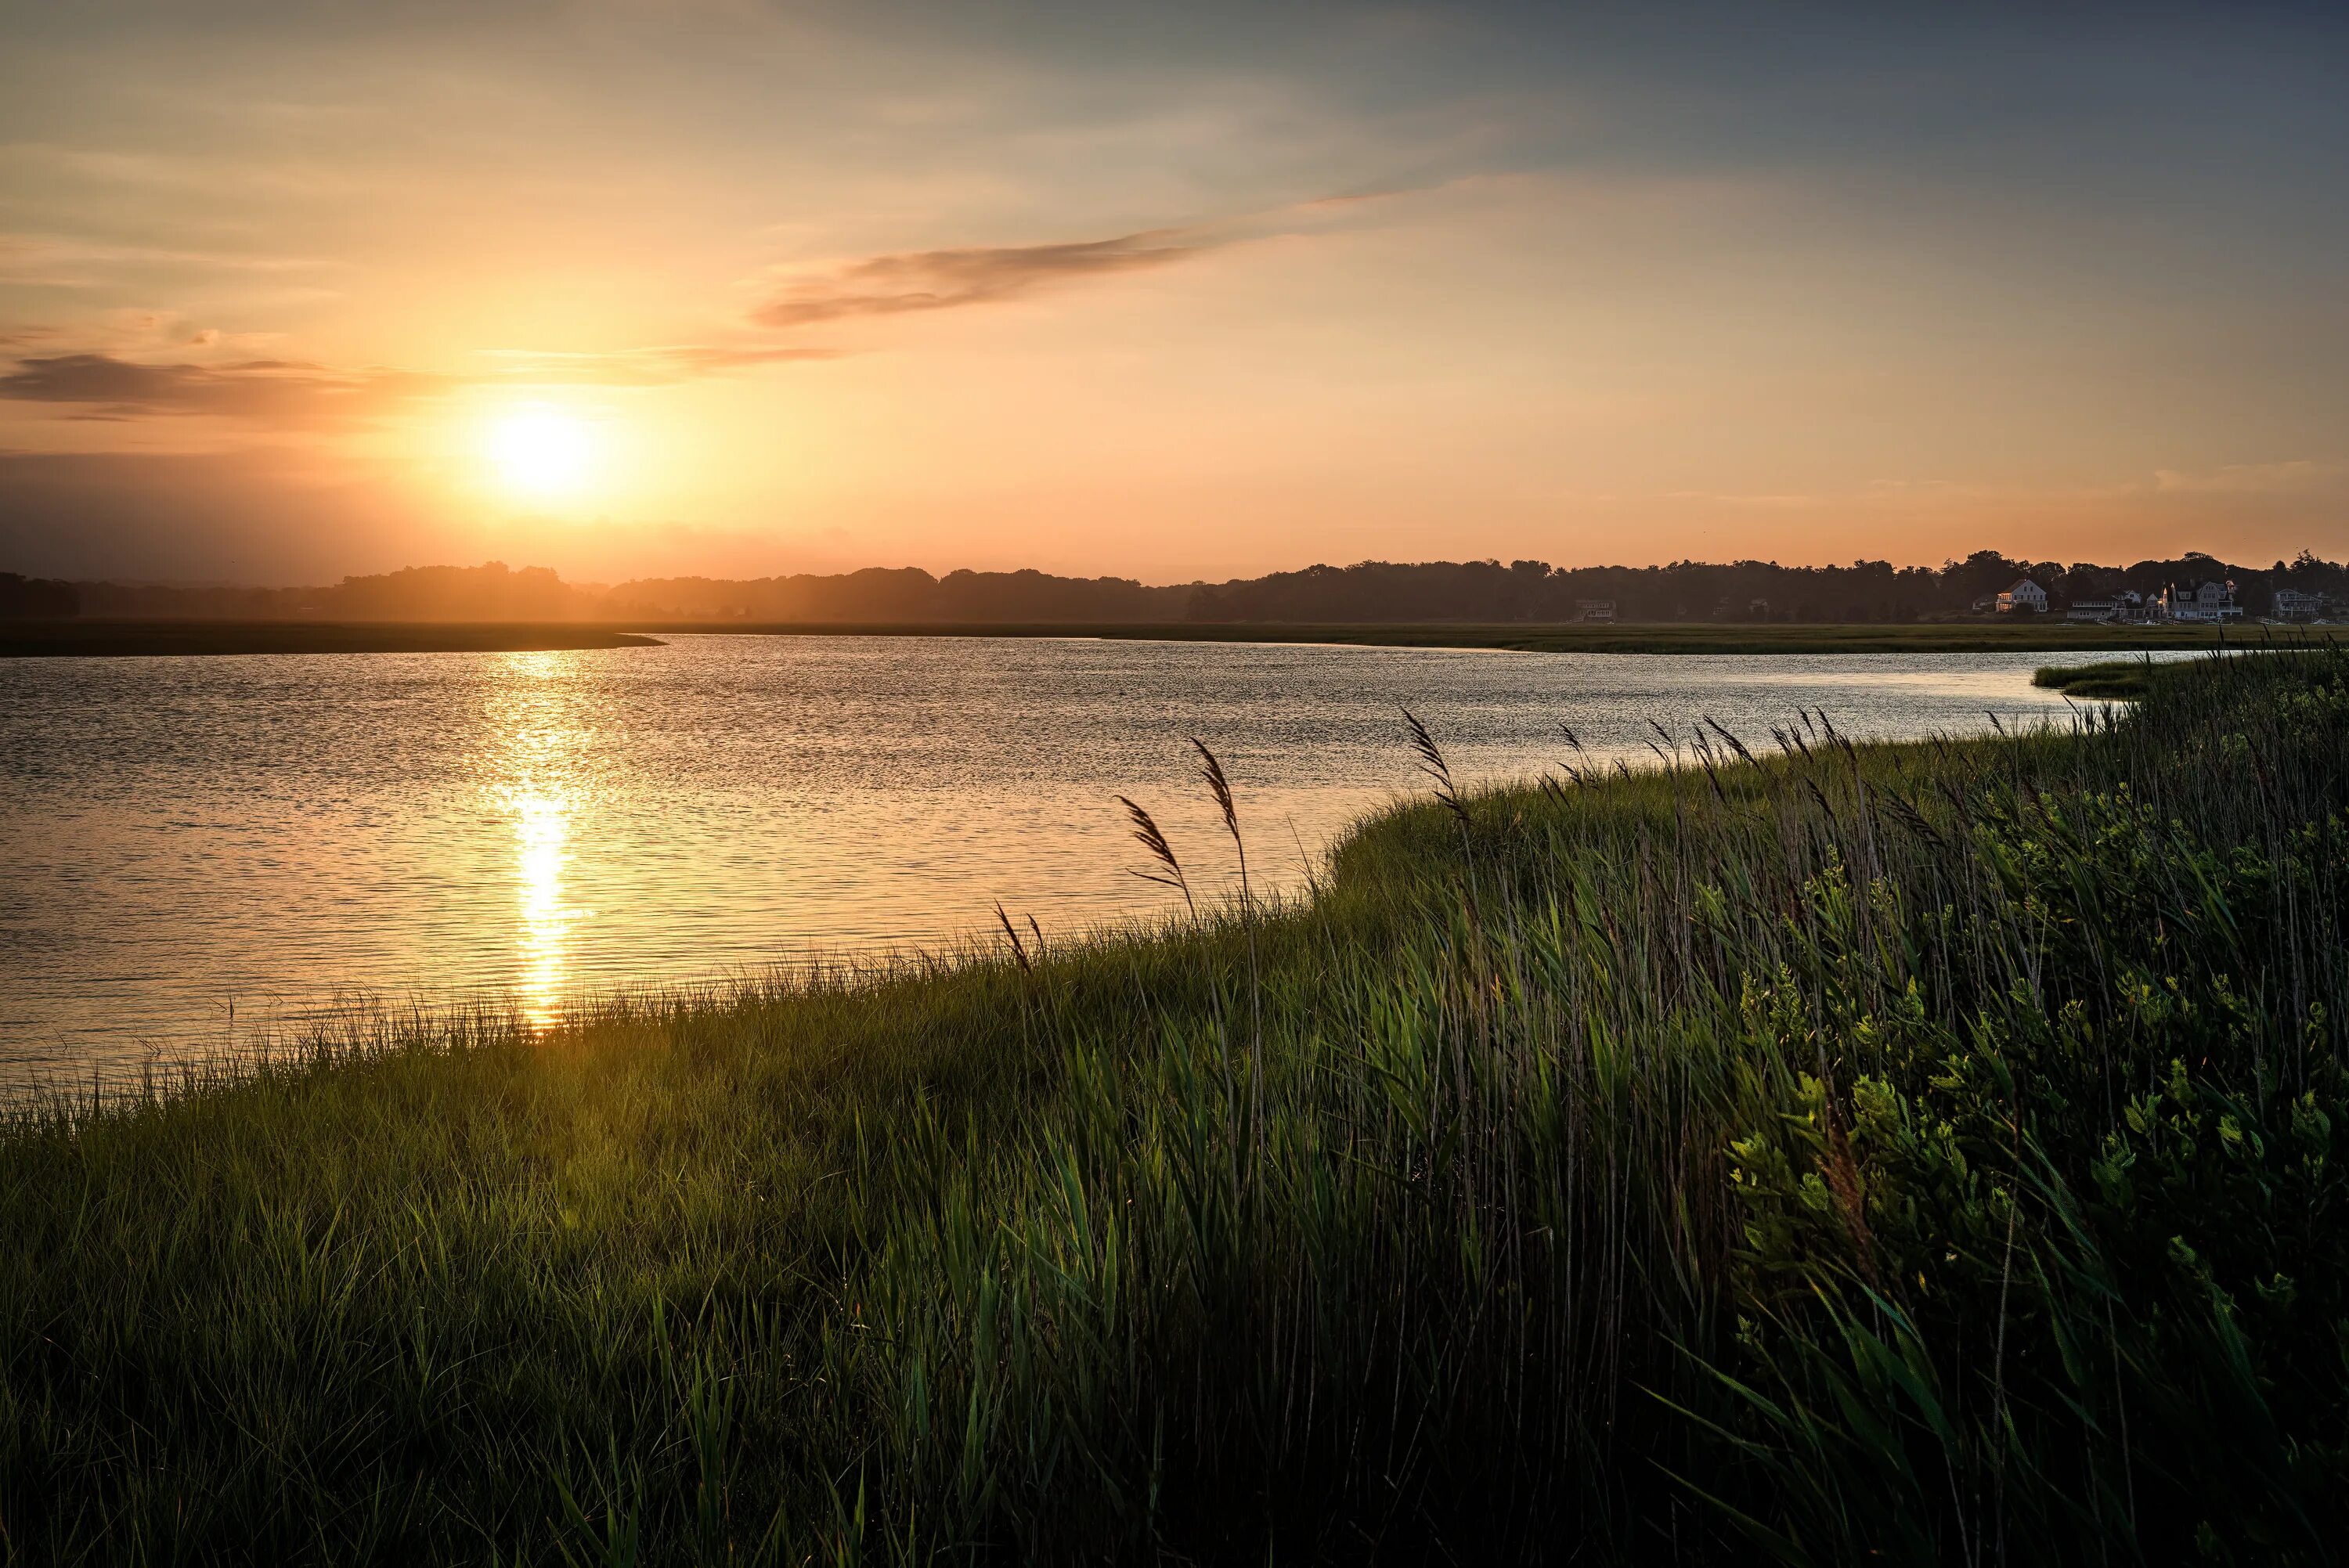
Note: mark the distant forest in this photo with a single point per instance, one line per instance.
(1373, 592)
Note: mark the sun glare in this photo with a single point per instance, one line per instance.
(542, 453)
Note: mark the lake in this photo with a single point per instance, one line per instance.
(192, 849)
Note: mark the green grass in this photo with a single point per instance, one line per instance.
(1933, 1151)
(2112, 680)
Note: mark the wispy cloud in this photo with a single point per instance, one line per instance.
(947, 279)
(2242, 483)
(2252, 479)
(275, 391)
(109, 376)
(68, 262)
(908, 280)
(660, 365)
(297, 394)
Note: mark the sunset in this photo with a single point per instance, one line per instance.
(544, 454)
(1166, 295)
(794, 783)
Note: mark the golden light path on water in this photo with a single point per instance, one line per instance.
(310, 836)
(540, 746)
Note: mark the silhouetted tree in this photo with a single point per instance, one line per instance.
(36, 598)
(1368, 592)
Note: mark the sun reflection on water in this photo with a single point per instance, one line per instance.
(542, 827)
(539, 743)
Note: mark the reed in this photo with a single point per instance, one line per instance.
(1926, 1151)
(2110, 680)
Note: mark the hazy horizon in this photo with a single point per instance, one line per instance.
(942, 571)
(726, 288)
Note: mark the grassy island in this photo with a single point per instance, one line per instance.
(1925, 1153)
(2112, 680)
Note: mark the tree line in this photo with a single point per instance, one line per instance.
(1737, 591)
(1368, 592)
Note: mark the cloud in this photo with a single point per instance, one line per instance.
(101, 381)
(658, 365)
(69, 261)
(2252, 479)
(294, 393)
(2294, 478)
(297, 394)
(947, 279)
(274, 391)
(910, 280)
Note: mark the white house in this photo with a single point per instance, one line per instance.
(1595, 609)
(2210, 602)
(2024, 596)
(2291, 604)
(2125, 608)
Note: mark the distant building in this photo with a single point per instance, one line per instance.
(2205, 603)
(1758, 610)
(2125, 608)
(1595, 609)
(2025, 597)
(2291, 604)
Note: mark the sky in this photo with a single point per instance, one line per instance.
(730, 287)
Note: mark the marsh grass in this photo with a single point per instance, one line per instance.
(1928, 1150)
(2109, 680)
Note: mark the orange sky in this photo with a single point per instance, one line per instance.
(625, 288)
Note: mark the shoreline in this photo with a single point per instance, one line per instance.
(129, 638)
(153, 639)
(1701, 1066)
(1666, 637)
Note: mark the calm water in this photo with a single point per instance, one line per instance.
(180, 837)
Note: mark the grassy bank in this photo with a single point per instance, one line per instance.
(1941, 637)
(2113, 680)
(1931, 1151)
(119, 639)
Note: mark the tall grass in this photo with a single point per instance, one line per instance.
(1927, 1151)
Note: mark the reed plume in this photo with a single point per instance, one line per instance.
(1019, 949)
(1211, 771)
(1146, 833)
(1432, 763)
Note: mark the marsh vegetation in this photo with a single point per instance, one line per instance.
(1933, 1151)
(2111, 680)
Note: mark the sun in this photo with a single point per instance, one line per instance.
(542, 453)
